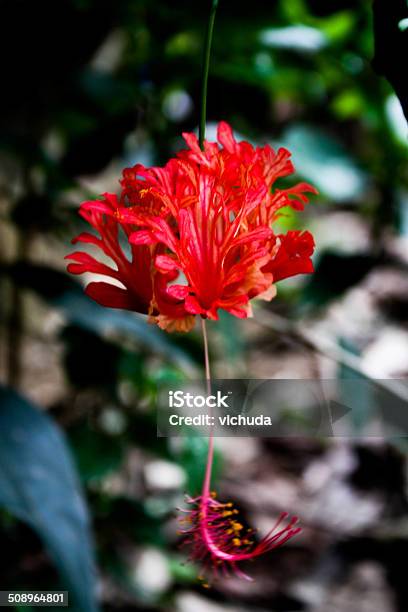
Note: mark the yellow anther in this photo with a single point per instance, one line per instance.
(227, 513)
(236, 542)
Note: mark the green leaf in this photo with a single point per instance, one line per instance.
(349, 103)
(97, 454)
(39, 486)
(66, 294)
(83, 312)
(191, 454)
(323, 160)
(233, 344)
(338, 27)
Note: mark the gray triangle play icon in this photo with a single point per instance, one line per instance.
(338, 411)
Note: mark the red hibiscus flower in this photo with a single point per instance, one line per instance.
(200, 233)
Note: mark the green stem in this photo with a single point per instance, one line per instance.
(206, 67)
(201, 137)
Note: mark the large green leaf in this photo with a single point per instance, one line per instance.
(66, 294)
(39, 485)
(84, 312)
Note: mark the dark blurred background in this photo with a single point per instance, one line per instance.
(90, 87)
